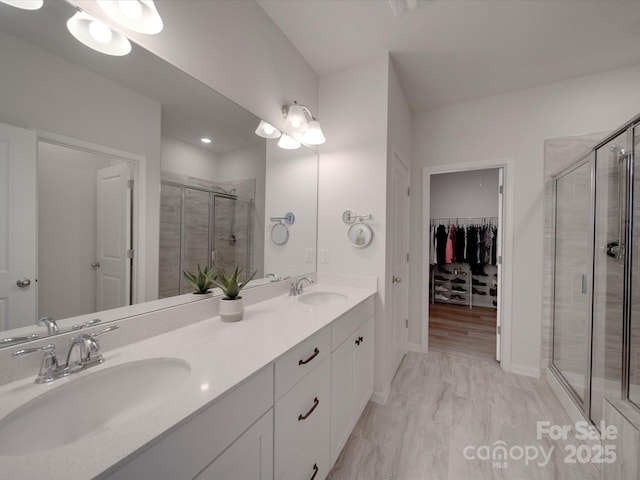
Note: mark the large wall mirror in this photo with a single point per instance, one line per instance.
(107, 193)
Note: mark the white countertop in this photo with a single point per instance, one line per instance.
(221, 355)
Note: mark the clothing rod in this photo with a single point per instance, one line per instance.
(464, 220)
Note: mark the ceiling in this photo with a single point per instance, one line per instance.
(450, 51)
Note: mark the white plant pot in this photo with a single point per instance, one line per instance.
(231, 310)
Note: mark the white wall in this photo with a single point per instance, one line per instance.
(464, 194)
(185, 159)
(353, 176)
(42, 91)
(234, 48)
(516, 125)
(291, 186)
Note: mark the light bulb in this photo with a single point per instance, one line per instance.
(205, 140)
(131, 8)
(268, 129)
(100, 32)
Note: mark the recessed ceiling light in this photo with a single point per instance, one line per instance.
(205, 140)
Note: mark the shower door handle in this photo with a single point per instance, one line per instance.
(585, 284)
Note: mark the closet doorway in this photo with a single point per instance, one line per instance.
(464, 252)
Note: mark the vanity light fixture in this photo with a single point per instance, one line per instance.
(296, 121)
(25, 4)
(205, 140)
(288, 143)
(266, 130)
(314, 135)
(137, 15)
(98, 36)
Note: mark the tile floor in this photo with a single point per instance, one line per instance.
(440, 404)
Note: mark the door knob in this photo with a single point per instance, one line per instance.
(23, 282)
(396, 279)
(95, 265)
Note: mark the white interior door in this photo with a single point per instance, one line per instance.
(400, 261)
(18, 236)
(113, 265)
(499, 271)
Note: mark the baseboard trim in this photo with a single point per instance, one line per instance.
(522, 370)
(381, 398)
(415, 347)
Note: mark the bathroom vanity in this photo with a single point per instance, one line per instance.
(273, 396)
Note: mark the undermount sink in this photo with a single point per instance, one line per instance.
(321, 298)
(90, 404)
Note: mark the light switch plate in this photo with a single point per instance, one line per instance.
(324, 256)
(308, 255)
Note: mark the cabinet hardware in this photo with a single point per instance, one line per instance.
(315, 471)
(316, 402)
(361, 339)
(315, 354)
(357, 341)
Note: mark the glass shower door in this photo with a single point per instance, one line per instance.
(571, 311)
(634, 328)
(609, 272)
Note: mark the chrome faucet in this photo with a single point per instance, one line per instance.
(88, 349)
(296, 287)
(49, 368)
(52, 326)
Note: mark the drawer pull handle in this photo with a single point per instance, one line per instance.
(314, 355)
(316, 402)
(359, 340)
(315, 471)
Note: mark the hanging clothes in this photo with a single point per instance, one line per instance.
(494, 245)
(458, 253)
(451, 238)
(441, 239)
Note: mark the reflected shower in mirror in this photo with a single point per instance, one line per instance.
(128, 195)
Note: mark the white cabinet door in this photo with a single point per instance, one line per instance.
(363, 367)
(250, 457)
(342, 400)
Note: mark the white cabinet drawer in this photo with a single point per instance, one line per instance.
(184, 453)
(344, 326)
(300, 414)
(301, 359)
(314, 461)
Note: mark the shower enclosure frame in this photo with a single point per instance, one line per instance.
(213, 193)
(626, 218)
(584, 403)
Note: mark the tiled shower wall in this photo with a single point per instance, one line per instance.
(232, 230)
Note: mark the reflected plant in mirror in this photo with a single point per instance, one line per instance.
(97, 138)
(202, 280)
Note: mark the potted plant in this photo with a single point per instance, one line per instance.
(201, 281)
(231, 306)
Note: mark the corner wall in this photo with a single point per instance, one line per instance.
(353, 176)
(516, 125)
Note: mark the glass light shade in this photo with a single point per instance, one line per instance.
(266, 130)
(93, 33)
(137, 15)
(25, 4)
(314, 135)
(288, 143)
(295, 118)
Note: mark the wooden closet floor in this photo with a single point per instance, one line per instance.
(464, 331)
